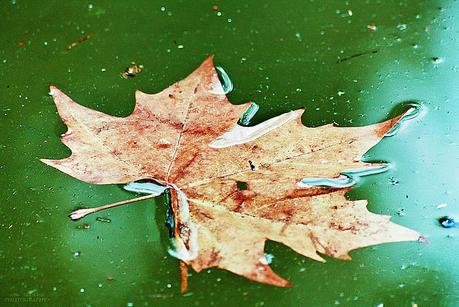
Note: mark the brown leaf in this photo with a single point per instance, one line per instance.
(232, 187)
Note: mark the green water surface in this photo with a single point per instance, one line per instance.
(317, 55)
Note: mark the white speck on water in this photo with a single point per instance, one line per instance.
(401, 26)
(32, 291)
(163, 9)
(298, 36)
(82, 290)
(169, 286)
(341, 93)
(180, 46)
(442, 206)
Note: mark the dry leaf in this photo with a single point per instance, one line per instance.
(232, 187)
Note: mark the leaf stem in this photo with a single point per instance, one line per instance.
(81, 213)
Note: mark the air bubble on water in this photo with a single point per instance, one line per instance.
(413, 112)
(437, 60)
(401, 212)
(447, 222)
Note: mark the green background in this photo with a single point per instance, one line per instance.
(282, 54)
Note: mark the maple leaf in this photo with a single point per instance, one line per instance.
(232, 187)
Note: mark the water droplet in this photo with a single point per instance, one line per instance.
(342, 181)
(413, 112)
(145, 187)
(227, 84)
(347, 178)
(245, 119)
(267, 259)
(437, 60)
(447, 222)
(103, 219)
